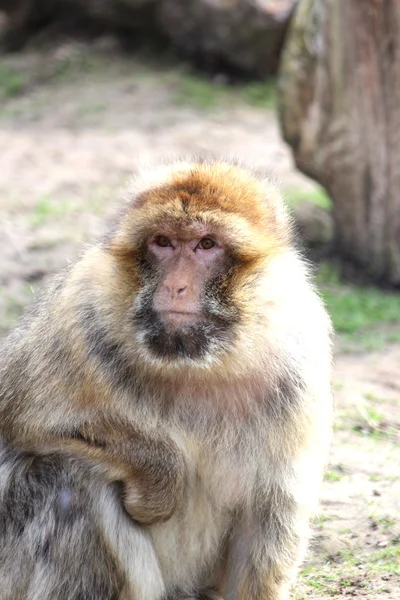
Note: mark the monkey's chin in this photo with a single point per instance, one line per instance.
(191, 338)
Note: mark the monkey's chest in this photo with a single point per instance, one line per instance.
(228, 477)
(190, 544)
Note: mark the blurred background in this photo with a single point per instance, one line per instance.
(306, 90)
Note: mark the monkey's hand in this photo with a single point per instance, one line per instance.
(150, 465)
(156, 489)
(150, 503)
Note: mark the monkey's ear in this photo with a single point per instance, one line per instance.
(276, 204)
(269, 192)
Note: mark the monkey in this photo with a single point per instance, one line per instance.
(165, 406)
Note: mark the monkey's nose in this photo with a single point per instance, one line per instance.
(175, 292)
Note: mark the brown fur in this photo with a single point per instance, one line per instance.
(219, 447)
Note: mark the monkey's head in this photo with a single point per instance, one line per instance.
(189, 248)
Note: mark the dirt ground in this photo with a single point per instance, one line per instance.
(74, 125)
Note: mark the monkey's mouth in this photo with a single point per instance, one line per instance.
(175, 317)
(178, 334)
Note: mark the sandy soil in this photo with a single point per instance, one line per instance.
(71, 137)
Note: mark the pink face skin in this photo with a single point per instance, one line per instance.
(185, 267)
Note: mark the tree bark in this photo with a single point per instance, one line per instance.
(340, 111)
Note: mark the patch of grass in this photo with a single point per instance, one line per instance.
(338, 386)
(76, 62)
(322, 518)
(318, 196)
(197, 91)
(92, 108)
(383, 522)
(349, 557)
(370, 420)
(373, 417)
(54, 68)
(386, 560)
(12, 307)
(261, 94)
(45, 244)
(376, 435)
(325, 579)
(332, 476)
(46, 208)
(368, 341)
(372, 423)
(349, 572)
(358, 313)
(11, 82)
(353, 308)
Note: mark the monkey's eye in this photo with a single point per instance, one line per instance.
(162, 241)
(206, 243)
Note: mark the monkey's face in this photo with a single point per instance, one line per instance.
(184, 309)
(190, 249)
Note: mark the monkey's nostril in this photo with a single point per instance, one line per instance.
(181, 290)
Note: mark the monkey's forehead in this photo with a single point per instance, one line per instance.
(196, 189)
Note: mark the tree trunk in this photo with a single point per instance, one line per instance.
(340, 112)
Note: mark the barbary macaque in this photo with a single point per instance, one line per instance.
(165, 408)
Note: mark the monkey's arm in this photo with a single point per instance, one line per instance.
(153, 464)
(266, 548)
(270, 537)
(45, 382)
(148, 464)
